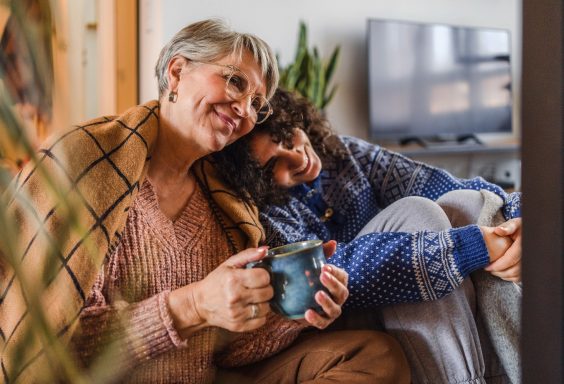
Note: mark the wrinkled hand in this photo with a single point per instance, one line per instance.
(336, 281)
(508, 266)
(230, 297)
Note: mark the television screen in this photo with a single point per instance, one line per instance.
(431, 80)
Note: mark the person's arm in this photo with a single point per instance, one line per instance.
(130, 332)
(394, 176)
(398, 267)
(137, 332)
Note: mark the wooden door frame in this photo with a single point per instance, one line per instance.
(127, 54)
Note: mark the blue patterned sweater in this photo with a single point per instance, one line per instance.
(386, 267)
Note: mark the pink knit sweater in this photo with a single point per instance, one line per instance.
(127, 308)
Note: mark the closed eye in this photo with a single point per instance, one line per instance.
(270, 164)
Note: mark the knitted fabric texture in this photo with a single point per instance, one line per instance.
(98, 166)
(386, 267)
(127, 305)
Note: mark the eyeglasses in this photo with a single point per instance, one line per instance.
(237, 87)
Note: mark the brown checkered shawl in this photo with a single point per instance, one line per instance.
(99, 167)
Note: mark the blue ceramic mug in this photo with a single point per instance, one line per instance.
(294, 274)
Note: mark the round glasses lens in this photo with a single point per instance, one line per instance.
(236, 84)
(263, 113)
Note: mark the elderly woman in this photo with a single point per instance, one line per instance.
(172, 296)
(394, 220)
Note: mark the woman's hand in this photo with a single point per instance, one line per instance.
(496, 244)
(508, 266)
(230, 297)
(336, 281)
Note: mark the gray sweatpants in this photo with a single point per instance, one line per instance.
(444, 340)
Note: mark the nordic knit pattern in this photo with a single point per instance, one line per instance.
(392, 267)
(128, 302)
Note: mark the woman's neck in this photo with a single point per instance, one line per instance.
(171, 158)
(169, 173)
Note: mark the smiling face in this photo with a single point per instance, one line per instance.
(204, 116)
(290, 166)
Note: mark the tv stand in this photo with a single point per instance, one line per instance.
(465, 156)
(442, 141)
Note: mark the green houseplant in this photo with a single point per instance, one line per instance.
(310, 75)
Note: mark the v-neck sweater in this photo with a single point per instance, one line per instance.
(128, 303)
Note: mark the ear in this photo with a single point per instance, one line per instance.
(175, 66)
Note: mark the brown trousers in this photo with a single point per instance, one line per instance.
(329, 357)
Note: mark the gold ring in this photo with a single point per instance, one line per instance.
(254, 311)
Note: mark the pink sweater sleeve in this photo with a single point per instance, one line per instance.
(133, 332)
(248, 347)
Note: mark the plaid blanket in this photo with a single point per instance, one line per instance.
(98, 167)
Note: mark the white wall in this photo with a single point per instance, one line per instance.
(330, 23)
(86, 67)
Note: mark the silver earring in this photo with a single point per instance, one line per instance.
(172, 96)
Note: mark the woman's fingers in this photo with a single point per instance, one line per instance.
(317, 320)
(510, 258)
(249, 317)
(235, 298)
(510, 227)
(511, 274)
(331, 309)
(336, 285)
(242, 258)
(253, 277)
(338, 273)
(257, 310)
(329, 306)
(335, 280)
(260, 295)
(329, 248)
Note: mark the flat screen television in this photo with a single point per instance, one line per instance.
(437, 81)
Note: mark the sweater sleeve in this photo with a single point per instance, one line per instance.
(394, 176)
(248, 347)
(389, 267)
(397, 267)
(131, 333)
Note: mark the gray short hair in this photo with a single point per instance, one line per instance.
(211, 40)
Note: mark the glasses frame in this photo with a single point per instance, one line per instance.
(233, 69)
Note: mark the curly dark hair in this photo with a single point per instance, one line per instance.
(242, 172)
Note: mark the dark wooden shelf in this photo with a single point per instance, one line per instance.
(453, 149)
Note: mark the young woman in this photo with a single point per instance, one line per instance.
(393, 219)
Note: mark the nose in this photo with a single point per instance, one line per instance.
(295, 157)
(242, 106)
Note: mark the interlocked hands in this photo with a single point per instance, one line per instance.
(504, 247)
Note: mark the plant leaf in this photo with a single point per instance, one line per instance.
(332, 64)
(309, 75)
(329, 97)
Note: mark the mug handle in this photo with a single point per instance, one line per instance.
(268, 268)
(263, 265)
(260, 264)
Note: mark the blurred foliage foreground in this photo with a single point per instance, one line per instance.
(33, 349)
